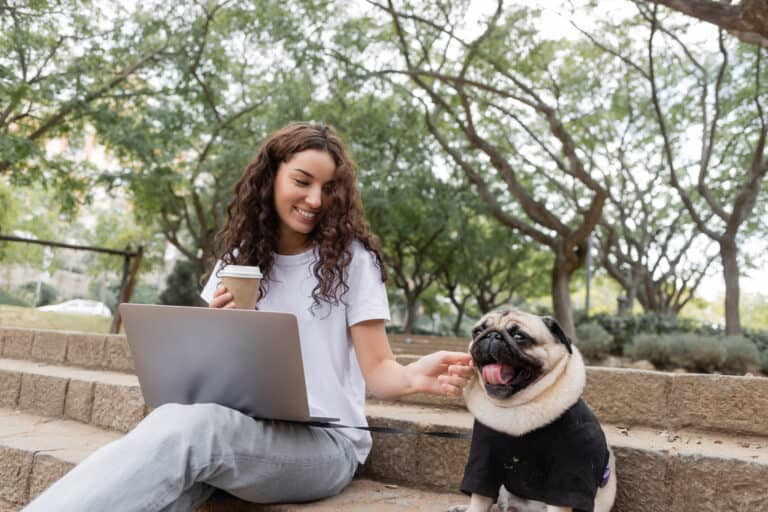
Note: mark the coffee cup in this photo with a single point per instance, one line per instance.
(242, 281)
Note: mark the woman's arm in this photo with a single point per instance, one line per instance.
(439, 373)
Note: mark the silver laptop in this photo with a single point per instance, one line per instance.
(246, 360)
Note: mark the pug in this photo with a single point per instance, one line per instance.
(534, 438)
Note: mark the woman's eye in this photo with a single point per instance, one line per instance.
(301, 183)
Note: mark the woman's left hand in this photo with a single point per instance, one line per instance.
(441, 373)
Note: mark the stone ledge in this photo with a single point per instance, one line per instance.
(633, 397)
(672, 473)
(86, 350)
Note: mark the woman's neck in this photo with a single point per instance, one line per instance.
(293, 243)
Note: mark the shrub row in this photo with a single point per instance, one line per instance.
(698, 353)
(669, 341)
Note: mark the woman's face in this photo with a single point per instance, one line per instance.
(302, 188)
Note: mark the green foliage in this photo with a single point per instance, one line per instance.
(182, 288)
(11, 299)
(593, 340)
(651, 347)
(740, 354)
(624, 328)
(48, 293)
(696, 353)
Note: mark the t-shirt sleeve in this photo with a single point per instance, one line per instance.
(366, 298)
(212, 284)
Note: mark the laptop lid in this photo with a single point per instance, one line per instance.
(243, 359)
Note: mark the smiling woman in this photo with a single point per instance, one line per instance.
(297, 216)
(301, 186)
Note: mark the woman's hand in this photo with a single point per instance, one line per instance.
(441, 373)
(222, 299)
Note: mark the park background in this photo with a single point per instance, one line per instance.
(503, 149)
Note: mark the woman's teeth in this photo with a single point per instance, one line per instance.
(306, 214)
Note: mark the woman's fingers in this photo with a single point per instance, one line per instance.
(221, 299)
(452, 380)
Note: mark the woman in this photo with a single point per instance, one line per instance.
(297, 215)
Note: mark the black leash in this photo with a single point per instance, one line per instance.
(386, 430)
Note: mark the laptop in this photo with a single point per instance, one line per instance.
(243, 359)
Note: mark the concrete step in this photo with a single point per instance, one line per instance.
(634, 397)
(36, 451)
(85, 350)
(362, 495)
(107, 399)
(658, 470)
(697, 439)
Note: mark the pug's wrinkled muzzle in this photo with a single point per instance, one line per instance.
(503, 364)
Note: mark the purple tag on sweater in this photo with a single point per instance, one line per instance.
(606, 476)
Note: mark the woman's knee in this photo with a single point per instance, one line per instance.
(185, 420)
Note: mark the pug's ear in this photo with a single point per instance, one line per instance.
(557, 332)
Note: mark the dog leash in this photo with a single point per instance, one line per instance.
(384, 430)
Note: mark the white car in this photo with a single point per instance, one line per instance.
(80, 307)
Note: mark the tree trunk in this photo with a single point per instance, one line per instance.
(457, 322)
(411, 305)
(561, 295)
(728, 255)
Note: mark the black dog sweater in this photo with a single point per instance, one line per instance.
(561, 464)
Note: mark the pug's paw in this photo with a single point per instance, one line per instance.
(467, 508)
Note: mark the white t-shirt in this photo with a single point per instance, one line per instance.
(335, 383)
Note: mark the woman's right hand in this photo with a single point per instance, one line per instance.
(222, 299)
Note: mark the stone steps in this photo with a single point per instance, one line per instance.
(682, 442)
(718, 403)
(658, 470)
(35, 451)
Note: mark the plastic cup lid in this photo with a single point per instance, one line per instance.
(240, 271)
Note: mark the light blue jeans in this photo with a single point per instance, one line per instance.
(175, 458)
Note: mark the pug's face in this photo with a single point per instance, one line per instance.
(511, 349)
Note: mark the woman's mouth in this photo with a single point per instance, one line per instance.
(306, 214)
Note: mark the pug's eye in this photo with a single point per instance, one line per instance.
(476, 331)
(518, 335)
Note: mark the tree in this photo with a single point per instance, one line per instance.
(747, 20)
(243, 73)
(496, 107)
(720, 184)
(490, 266)
(413, 216)
(645, 236)
(61, 69)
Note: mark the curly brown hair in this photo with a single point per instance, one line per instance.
(250, 235)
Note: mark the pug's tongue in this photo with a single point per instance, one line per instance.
(498, 373)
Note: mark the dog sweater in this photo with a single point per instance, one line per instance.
(560, 464)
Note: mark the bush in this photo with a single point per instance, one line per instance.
(593, 341)
(182, 286)
(10, 299)
(652, 348)
(48, 293)
(695, 352)
(740, 354)
(764, 362)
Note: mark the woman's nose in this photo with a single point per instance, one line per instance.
(315, 197)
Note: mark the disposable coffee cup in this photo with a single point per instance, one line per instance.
(242, 281)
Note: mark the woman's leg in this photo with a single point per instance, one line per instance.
(175, 457)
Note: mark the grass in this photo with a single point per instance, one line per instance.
(31, 318)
